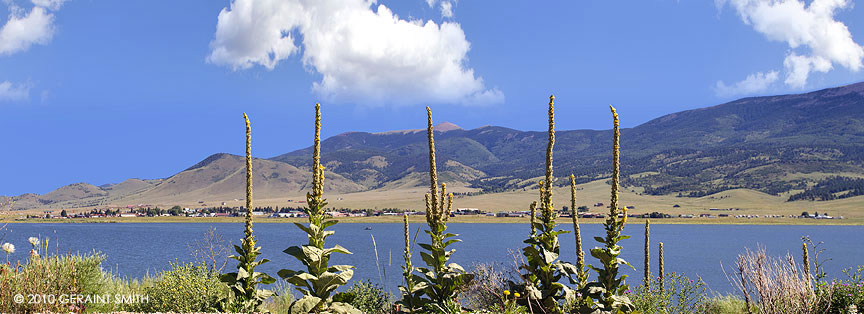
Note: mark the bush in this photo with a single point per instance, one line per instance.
(485, 292)
(51, 277)
(281, 301)
(679, 295)
(184, 288)
(777, 284)
(846, 296)
(725, 305)
(367, 297)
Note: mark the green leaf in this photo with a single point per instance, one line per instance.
(304, 305)
(338, 249)
(297, 252)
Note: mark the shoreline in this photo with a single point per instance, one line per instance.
(458, 219)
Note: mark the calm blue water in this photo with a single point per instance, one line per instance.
(133, 250)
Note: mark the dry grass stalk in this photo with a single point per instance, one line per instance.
(211, 249)
(647, 252)
(661, 274)
(778, 285)
(806, 262)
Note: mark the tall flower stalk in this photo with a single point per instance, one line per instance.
(320, 279)
(581, 274)
(607, 294)
(244, 296)
(443, 281)
(543, 269)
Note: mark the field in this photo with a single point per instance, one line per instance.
(748, 202)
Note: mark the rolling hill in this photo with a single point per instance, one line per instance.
(800, 147)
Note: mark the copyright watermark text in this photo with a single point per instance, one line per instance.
(80, 298)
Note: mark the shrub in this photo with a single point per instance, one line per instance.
(680, 295)
(846, 296)
(186, 287)
(366, 297)
(281, 300)
(50, 276)
(778, 284)
(486, 290)
(728, 304)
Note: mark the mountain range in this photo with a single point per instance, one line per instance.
(806, 146)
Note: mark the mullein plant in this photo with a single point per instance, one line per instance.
(442, 281)
(607, 293)
(412, 291)
(244, 296)
(581, 274)
(543, 269)
(320, 279)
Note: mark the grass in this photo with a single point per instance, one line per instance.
(748, 201)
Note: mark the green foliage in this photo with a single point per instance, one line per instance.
(726, 305)
(509, 304)
(442, 281)
(320, 279)
(50, 275)
(486, 291)
(244, 296)
(184, 288)
(366, 297)
(281, 300)
(830, 189)
(679, 295)
(606, 294)
(414, 285)
(543, 269)
(844, 296)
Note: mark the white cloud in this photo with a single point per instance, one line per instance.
(446, 6)
(446, 9)
(13, 92)
(754, 83)
(23, 30)
(362, 55)
(49, 4)
(816, 40)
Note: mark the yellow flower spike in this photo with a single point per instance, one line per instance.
(516, 294)
(506, 292)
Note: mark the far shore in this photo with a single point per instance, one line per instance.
(563, 221)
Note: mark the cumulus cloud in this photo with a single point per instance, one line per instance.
(362, 52)
(13, 92)
(24, 29)
(755, 82)
(816, 40)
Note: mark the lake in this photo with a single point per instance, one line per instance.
(136, 249)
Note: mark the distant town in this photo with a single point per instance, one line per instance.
(142, 210)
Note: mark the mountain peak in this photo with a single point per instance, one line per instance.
(447, 126)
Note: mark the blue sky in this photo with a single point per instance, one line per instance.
(100, 91)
